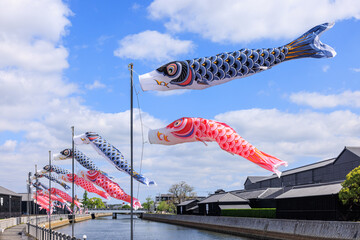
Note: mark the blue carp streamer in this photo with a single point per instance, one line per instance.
(51, 178)
(111, 153)
(56, 169)
(80, 157)
(205, 72)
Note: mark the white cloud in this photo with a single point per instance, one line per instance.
(30, 31)
(247, 20)
(95, 85)
(40, 55)
(317, 100)
(355, 69)
(152, 45)
(325, 68)
(135, 6)
(8, 146)
(34, 19)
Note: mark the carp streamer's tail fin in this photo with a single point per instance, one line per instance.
(103, 194)
(309, 44)
(267, 161)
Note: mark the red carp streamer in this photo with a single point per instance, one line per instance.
(199, 129)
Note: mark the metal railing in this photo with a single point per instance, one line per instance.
(47, 234)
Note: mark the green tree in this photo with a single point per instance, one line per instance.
(96, 203)
(350, 191)
(171, 207)
(149, 202)
(85, 200)
(163, 206)
(181, 192)
(126, 207)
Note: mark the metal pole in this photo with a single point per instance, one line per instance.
(10, 205)
(73, 194)
(36, 208)
(28, 202)
(131, 152)
(49, 196)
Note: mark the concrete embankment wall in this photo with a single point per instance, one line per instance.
(57, 220)
(78, 218)
(265, 228)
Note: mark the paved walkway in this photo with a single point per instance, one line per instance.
(14, 233)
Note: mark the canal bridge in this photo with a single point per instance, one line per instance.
(114, 212)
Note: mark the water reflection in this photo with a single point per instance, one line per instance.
(107, 228)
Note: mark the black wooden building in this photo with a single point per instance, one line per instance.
(315, 201)
(10, 203)
(213, 204)
(188, 207)
(310, 191)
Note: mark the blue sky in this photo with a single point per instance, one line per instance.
(65, 63)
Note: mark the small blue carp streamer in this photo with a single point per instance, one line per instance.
(56, 169)
(111, 153)
(80, 157)
(52, 178)
(42, 185)
(36, 185)
(205, 72)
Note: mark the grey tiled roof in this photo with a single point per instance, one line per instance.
(271, 193)
(312, 190)
(24, 197)
(193, 208)
(254, 179)
(8, 192)
(355, 150)
(186, 202)
(241, 206)
(262, 193)
(248, 194)
(223, 197)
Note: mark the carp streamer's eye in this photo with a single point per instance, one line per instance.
(177, 123)
(171, 69)
(66, 152)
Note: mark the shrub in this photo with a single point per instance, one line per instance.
(253, 212)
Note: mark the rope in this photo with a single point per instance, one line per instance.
(142, 130)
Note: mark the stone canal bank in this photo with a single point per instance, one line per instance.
(65, 221)
(262, 228)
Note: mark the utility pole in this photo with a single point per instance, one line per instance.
(131, 152)
(49, 195)
(73, 180)
(36, 209)
(28, 202)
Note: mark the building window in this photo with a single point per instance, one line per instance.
(1, 201)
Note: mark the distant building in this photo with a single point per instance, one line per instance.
(189, 206)
(27, 201)
(315, 201)
(10, 203)
(213, 204)
(260, 198)
(164, 197)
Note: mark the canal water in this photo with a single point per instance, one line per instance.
(106, 228)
